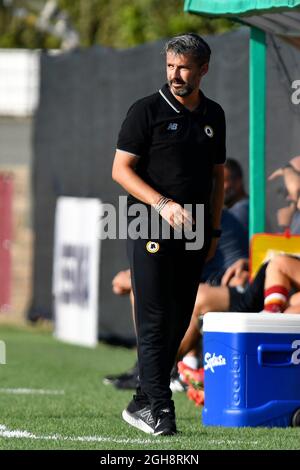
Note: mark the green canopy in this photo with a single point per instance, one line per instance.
(238, 7)
(263, 16)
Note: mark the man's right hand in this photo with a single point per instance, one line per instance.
(177, 216)
(121, 283)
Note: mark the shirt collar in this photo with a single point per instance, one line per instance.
(178, 107)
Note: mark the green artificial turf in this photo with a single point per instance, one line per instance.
(87, 415)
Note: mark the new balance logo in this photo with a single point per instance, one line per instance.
(172, 126)
(147, 416)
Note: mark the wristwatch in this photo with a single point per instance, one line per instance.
(216, 232)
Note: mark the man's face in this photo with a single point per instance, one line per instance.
(231, 187)
(184, 73)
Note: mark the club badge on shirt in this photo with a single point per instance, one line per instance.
(152, 247)
(209, 131)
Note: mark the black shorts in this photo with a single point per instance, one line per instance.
(252, 299)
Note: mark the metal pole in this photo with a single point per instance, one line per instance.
(257, 131)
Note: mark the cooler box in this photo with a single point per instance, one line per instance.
(251, 369)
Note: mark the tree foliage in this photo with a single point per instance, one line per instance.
(18, 26)
(113, 23)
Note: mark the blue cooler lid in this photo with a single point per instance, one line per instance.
(240, 322)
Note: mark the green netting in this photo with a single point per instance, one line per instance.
(238, 7)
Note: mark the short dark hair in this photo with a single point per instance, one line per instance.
(235, 168)
(190, 43)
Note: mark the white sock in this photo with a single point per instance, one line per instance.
(191, 361)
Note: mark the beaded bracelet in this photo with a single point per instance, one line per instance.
(162, 202)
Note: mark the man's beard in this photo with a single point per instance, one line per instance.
(229, 197)
(186, 89)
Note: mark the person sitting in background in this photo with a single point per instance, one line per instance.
(275, 289)
(234, 241)
(271, 290)
(233, 244)
(282, 285)
(227, 298)
(235, 197)
(289, 216)
(282, 271)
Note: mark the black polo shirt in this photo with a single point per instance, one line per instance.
(176, 148)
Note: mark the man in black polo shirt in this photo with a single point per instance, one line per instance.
(170, 152)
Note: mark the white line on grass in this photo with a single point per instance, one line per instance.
(233, 442)
(18, 434)
(31, 391)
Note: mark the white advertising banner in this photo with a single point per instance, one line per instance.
(76, 270)
(19, 81)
